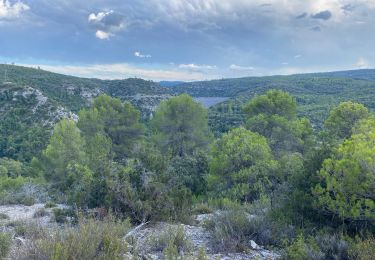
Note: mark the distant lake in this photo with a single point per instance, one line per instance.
(210, 101)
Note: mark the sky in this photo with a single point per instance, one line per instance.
(187, 40)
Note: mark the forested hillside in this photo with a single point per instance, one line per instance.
(299, 193)
(33, 100)
(315, 93)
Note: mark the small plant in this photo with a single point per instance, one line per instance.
(202, 208)
(363, 249)
(50, 205)
(173, 236)
(5, 243)
(202, 255)
(171, 252)
(40, 213)
(3, 216)
(19, 227)
(64, 215)
(91, 239)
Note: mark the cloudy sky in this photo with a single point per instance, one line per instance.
(188, 39)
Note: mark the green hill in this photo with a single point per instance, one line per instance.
(32, 100)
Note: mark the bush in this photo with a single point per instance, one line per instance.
(174, 237)
(64, 215)
(320, 247)
(233, 229)
(21, 190)
(5, 242)
(50, 205)
(40, 213)
(3, 216)
(363, 249)
(91, 239)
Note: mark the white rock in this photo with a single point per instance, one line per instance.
(254, 245)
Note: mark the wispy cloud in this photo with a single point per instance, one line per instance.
(121, 71)
(361, 63)
(196, 67)
(11, 11)
(240, 68)
(141, 55)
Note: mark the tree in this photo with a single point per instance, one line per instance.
(273, 115)
(274, 102)
(118, 121)
(66, 147)
(343, 118)
(347, 179)
(241, 164)
(181, 126)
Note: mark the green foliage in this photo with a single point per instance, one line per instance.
(241, 165)
(346, 189)
(11, 167)
(274, 102)
(318, 247)
(120, 122)
(363, 249)
(20, 191)
(343, 118)
(65, 148)
(188, 171)
(273, 115)
(171, 241)
(64, 215)
(5, 243)
(92, 239)
(181, 126)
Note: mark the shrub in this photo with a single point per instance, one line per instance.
(64, 215)
(3, 216)
(91, 239)
(363, 249)
(320, 247)
(50, 204)
(167, 240)
(40, 213)
(21, 190)
(5, 242)
(231, 230)
(202, 208)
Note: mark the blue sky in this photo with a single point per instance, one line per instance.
(188, 39)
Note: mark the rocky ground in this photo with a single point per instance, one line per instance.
(142, 237)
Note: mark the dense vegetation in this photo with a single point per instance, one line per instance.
(310, 194)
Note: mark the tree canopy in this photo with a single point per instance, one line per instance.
(180, 126)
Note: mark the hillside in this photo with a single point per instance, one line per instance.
(33, 100)
(315, 93)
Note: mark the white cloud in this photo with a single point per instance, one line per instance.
(102, 35)
(361, 63)
(297, 56)
(11, 11)
(193, 66)
(140, 55)
(240, 68)
(123, 70)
